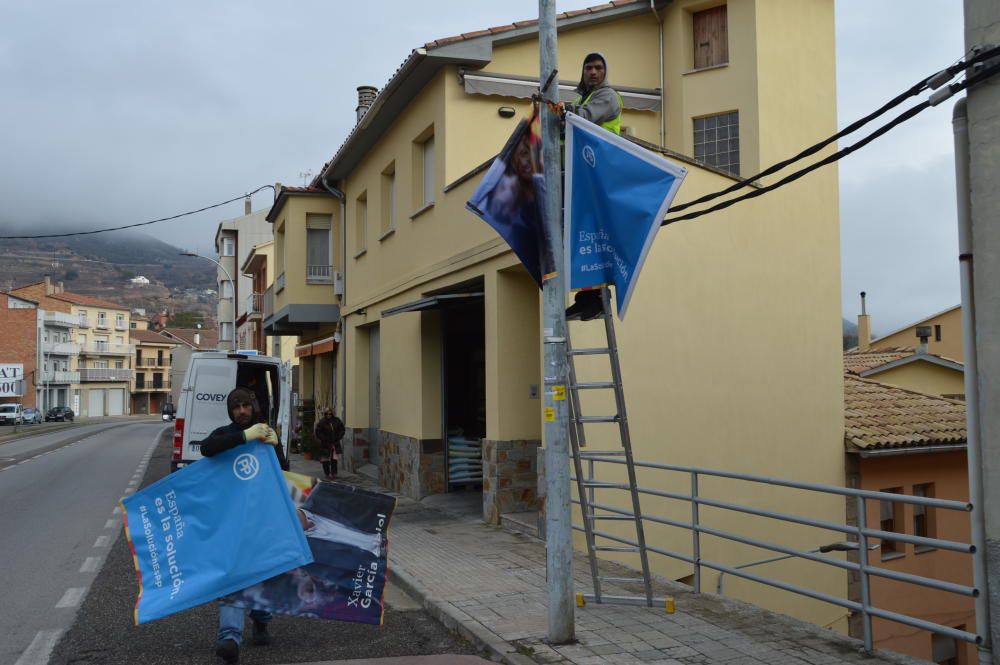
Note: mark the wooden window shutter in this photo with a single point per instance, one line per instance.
(711, 37)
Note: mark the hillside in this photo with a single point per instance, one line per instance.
(101, 265)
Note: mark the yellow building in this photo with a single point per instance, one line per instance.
(151, 385)
(943, 333)
(435, 325)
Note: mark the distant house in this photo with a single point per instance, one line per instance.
(912, 369)
(139, 281)
(188, 341)
(906, 442)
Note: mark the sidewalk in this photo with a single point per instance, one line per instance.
(489, 585)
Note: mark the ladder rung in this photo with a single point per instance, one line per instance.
(616, 548)
(598, 419)
(600, 453)
(621, 579)
(615, 518)
(601, 483)
(591, 385)
(588, 352)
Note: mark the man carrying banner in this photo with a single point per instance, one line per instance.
(243, 428)
(601, 104)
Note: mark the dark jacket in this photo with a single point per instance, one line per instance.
(229, 436)
(330, 431)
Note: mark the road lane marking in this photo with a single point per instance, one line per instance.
(90, 564)
(40, 649)
(102, 541)
(71, 598)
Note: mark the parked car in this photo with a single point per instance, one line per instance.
(60, 413)
(32, 416)
(11, 414)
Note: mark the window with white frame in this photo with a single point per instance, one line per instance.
(717, 141)
(229, 246)
(226, 288)
(226, 331)
(319, 268)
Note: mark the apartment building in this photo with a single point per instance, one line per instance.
(151, 384)
(21, 323)
(234, 239)
(428, 327)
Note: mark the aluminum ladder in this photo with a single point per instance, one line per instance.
(592, 512)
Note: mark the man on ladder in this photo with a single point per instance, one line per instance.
(601, 104)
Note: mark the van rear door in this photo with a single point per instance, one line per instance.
(209, 382)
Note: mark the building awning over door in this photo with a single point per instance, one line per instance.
(522, 87)
(432, 302)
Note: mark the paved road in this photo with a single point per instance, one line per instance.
(104, 632)
(59, 492)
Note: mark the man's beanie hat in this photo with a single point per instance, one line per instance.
(239, 396)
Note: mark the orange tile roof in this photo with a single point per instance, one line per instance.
(150, 337)
(856, 362)
(80, 299)
(521, 24)
(209, 337)
(878, 416)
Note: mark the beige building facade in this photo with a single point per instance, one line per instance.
(433, 326)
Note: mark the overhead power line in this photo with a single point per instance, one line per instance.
(132, 226)
(931, 82)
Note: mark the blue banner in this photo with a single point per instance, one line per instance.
(347, 531)
(511, 199)
(212, 528)
(617, 194)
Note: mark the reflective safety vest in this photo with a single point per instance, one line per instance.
(613, 125)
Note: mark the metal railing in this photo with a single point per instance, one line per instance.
(267, 304)
(151, 362)
(279, 283)
(105, 374)
(860, 532)
(120, 325)
(255, 303)
(143, 384)
(58, 376)
(319, 273)
(103, 323)
(107, 347)
(62, 319)
(83, 322)
(61, 348)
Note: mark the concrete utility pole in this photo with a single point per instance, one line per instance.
(982, 29)
(558, 516)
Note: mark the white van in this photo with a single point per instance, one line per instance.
(210, 377)
(11, 414)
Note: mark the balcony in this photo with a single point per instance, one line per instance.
(255, 306)
(61, 319)
(121, 325)
(319, 274)
(53, 376)
(147, 386)
(279, 283)
(61, 348)
(105, 348)
(150, 362)
(105, 374)
(268, 302)
(103, 324)
(83, 322)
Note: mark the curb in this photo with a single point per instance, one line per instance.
(498, 649)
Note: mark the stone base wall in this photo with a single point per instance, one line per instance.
(510, 478)
(356, 452)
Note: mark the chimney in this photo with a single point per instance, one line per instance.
(864, 328)
(924, 333)
(59, 287)
(366, 97)
(48, 285)
(247, 208)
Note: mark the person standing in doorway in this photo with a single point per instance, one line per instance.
(330, 432)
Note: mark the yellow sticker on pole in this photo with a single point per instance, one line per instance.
(550, 414)
(559, 392)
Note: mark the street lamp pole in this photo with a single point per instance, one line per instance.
(232, 284)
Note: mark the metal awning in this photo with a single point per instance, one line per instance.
(522, 87)
(432, 302)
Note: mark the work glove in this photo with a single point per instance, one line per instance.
(260, 432)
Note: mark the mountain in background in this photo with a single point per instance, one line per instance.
(850, 332)
(102, 265)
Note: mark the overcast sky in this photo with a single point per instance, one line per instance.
(117, 112)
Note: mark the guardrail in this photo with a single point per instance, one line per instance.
(105, 374)
(255, 303)
(112, 349)
(319, 273)
(61, 318)
(860, 532)
(61, 348)
(60, 377)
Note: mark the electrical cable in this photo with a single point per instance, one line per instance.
(935, 99)
(132, 226)
(933, 81)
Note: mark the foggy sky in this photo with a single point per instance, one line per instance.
(119, 112)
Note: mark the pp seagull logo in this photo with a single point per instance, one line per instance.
(589, 156)
(246, 466)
